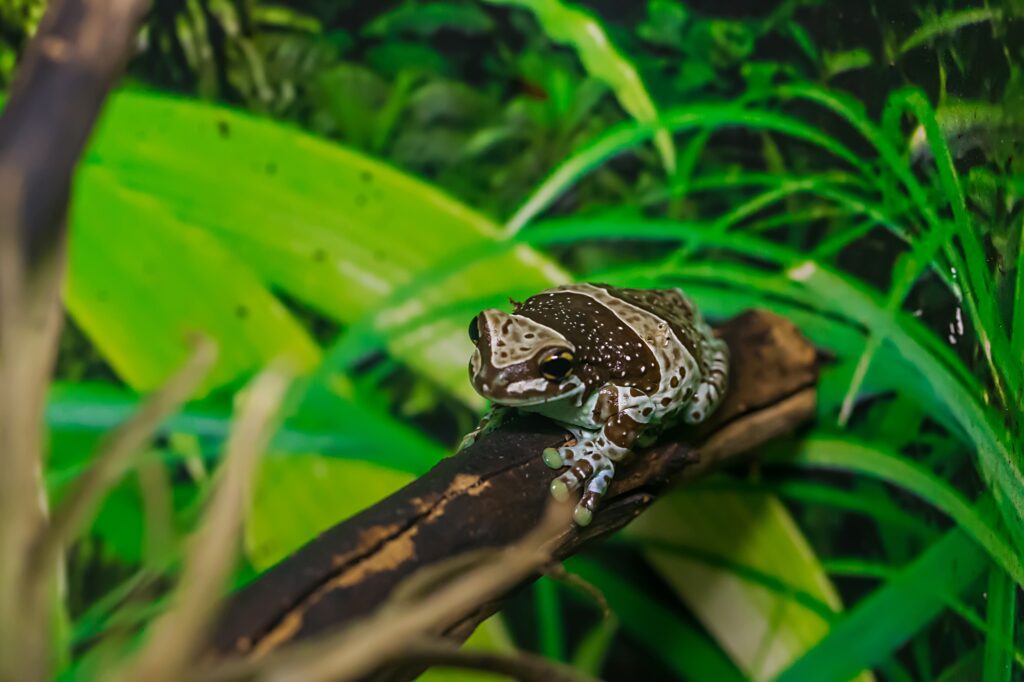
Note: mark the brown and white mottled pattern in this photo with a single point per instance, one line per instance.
(640, 359)
(515, 338)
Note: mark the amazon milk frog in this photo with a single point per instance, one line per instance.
(613, 366)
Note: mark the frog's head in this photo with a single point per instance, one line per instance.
(520, 362)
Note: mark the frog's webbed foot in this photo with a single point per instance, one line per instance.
(716, 377)
(593, 471)
(492, 419)
(591, 458)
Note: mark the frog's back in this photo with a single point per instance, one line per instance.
(669, 305)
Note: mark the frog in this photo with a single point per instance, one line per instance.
(613, 366)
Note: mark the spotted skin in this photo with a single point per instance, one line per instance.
(641, 360)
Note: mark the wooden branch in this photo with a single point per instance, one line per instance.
(65, 74)
(63, 78)
(494, 492)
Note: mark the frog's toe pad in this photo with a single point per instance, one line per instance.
(560, 490)
(552, 458)
(582, 515)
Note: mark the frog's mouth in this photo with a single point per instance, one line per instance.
(530, 390)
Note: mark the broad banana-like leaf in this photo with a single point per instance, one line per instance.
(333, 228)
(691, 538)
(140, 281)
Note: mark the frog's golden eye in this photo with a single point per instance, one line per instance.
(556, 366)
(474, 330)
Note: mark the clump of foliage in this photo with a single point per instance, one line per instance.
(855, 169)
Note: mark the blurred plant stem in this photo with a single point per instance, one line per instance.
(66, 72)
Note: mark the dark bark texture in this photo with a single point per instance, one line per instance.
(492, 493)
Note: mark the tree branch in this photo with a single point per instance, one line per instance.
(63, 78)
(492, 493)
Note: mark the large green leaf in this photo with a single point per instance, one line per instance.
(297, 497)
(763, 628)
(331, 227)
(140, 281)
(682, 647)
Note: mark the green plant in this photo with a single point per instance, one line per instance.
(881, 219)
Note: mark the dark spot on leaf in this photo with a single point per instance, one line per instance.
(366, 176)
(241, 312)
(271, 168)
(223, 128)
(320, 255)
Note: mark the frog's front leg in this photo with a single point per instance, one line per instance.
(592, 458)
(492, 419)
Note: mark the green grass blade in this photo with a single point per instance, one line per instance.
(948, 22)
(995, 462)
(882, 622)
(878, 507)
(1002, 615)
(979, 294)
(1017, 329)
(549, 618)
(996, 639)
(87, 409)
(682, 647)
(846, 454)
(594, 647)
(573, 26)
(622, 138)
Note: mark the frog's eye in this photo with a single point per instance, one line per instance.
(474, 330)
(556, 366)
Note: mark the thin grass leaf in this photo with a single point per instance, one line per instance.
(980, 300)
(622, 138)
(880, 508)
(862, 568)
(593, 649)
(491, 636)
(846, 454)
(881, 623)
(573, 26)
(995, 461)
(1002, 616)
(948, 22)
(549, 619)
(381, 439)
(683, 648)
(1017, 328)
(973, 267)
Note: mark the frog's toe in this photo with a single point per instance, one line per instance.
(597, 485)
(553, 458)
(582, 515)
(572, 479)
